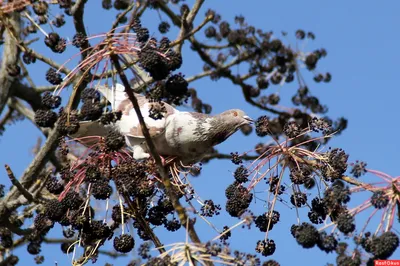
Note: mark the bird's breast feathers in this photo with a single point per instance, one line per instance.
(187, 134)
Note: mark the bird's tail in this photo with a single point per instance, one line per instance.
(89, 132)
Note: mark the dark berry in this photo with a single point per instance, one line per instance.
(226, 234)
(164, 27)
(79, 40)
(50, 101)
(91, 110)
(311, 61)
(175, 60)
(384, 246)
(53, 77)
(345, 223)
(33, 248)
(320, 124)
(210, 209)
(53, 41)
(90, 95)
(358, 169)
(291, 129)
(177, 85)
(68, 233)
(262, 126)
(28, 58)
(327, 243)
(266, 247)
(274, 99)
(262, 82)
(53, 186)
(263, 220)
(142, 35)
(271, 263)
(298, 199)
(124, 243)
(121, 4)
(275, 45)
(156, 216)
(224, 29)
(72, 200)
(306, 235)
(327, 77)
(300, 173)
(164, 44)
(241, 174)
(154, 63)
(45, 118)
(40, 8)
(54, 210)
(114, 140)
(172, 225)
(210, 32)
(239, 202)
(110, 118)
(236, 158)
(336, 165)
(300, 34)
(68, 123)
(42, 223)
(101, 190)
(116, 214)
(379, 200)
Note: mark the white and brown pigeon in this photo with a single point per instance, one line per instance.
(185, 135)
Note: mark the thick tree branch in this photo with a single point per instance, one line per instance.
(28, 94)
(10, 55)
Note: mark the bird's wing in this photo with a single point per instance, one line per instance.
(117, 96)
(129, 124)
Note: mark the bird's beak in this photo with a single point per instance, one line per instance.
(248, 118)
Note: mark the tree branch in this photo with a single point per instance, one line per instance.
(10, 55)
(18, 185)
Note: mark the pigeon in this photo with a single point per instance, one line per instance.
(188, 136)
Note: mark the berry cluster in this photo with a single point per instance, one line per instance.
(91, 108)
(336, 165)
(45, 117)
(266, 221)
(239, 199)
(55, 43)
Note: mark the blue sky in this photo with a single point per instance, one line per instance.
(362, 40)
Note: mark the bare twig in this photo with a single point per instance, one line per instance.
(180, 40)
(6, 118)
(245, 157)
(18, 185)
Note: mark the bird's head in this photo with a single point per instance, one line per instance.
(227, 123)
(236, 117)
